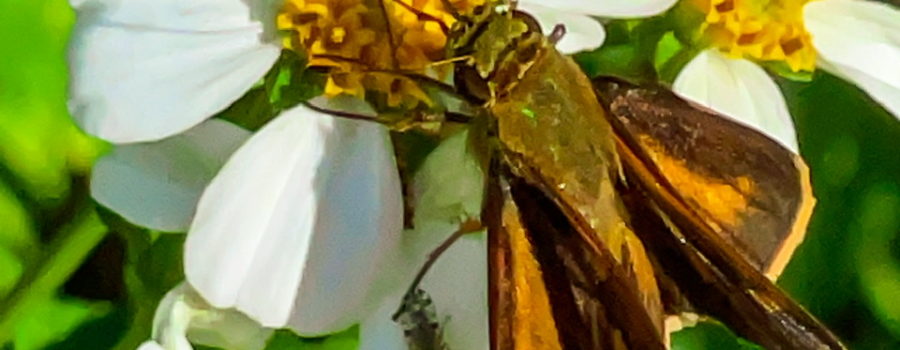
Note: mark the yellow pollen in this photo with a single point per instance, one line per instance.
(761, 30)
(352, 38)
(337, 35)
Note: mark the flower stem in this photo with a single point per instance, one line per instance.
(59, 260)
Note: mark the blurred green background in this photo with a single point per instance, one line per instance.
(73, 276)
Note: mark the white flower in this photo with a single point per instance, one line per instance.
(582, 31)
(295, 227)
(853, 39)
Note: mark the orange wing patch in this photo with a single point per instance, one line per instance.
(533, 324)
(745, 186)
(725, 202)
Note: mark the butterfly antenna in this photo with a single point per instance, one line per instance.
(451, 9)
(411, 75)
(559, 31)
(466, 227)
(343, 114)
(339, 58)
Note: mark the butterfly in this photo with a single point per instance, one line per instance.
(613, 208)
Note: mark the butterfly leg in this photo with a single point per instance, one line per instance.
(468, 225)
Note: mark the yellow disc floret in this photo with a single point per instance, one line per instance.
(362, 41)
(762, 30)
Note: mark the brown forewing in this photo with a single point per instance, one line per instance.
(716, 251)
(745, 186)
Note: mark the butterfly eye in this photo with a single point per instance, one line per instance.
(533, 25)
(470, 84)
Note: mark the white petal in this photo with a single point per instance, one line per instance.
(606, 8)
(739, 89)
(378, 331)
(183, 315)
(226, 329)
(146, 69)
(172, 319)
(302, 215)
(582, 32)
(150, 345)
(458, 285)
(457, 282)
(859, 41)
(157, 185)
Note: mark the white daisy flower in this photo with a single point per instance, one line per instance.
(296, 226)
(853, 39)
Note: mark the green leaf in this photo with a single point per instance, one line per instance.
(622, 61)
(98, 333)
(160, 266)
(685, 20)
(669, 70)
(709, 335)
(667, 47)
(11, 269)
(251, 111)
(287, 340)
(647, 35)
(287, 84)
(52, 319)
(629, 51)
(304, 85)
(850, 144)
(290, 82)
(16, 231)
(879, 266)
(782, 69)
(153, 266)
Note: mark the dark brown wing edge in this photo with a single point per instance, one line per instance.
(501, 286)
(746, 185)
(594, 306)
(713, 275)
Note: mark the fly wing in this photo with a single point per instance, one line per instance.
(717, 248)
(748, 188)
(552, 290)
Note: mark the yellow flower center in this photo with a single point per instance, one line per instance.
(762, 30)
(356, 37)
